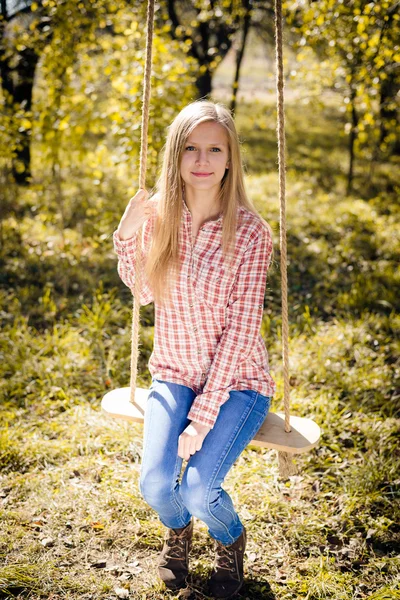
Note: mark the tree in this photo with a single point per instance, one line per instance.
(17, 70)
(203, 30)
(26, 29)
(359, 38)
(206, 30)
(240, 53)
(258, 15)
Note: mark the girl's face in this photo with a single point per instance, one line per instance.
(205, 152)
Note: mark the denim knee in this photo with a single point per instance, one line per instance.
(195, 498)
(155, 490)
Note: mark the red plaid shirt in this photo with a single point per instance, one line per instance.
(209, 340)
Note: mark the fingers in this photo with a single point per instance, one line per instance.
(140, 196)
(189, 445)
(149, 209)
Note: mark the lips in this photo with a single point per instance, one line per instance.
(202, 174)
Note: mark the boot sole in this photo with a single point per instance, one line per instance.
(175, 587)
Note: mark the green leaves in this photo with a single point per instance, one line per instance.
(363, 40)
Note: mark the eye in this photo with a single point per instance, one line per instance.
(215, 148)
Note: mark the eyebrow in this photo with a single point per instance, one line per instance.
(196, 144)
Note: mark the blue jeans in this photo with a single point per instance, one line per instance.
(199, 492)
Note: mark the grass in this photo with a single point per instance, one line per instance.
(74, 524)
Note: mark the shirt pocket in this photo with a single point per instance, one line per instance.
(214, 285)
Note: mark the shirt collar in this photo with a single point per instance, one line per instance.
(187, 213)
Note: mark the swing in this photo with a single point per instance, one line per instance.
(283, 432)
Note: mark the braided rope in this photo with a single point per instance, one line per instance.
(142, 184)
(282, 201)
(282, 205)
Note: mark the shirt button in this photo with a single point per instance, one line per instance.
(190, 305)
(194, 328)
(198, 351)
(203, 374)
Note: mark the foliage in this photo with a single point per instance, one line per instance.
(88, 93)
(358, 42)
(206, 31)
(74, 524)
(69, 476)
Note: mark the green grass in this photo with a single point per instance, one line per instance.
(69, 476)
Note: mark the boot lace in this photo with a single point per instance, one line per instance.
(176, 548)
(176, 545)
(224, 558)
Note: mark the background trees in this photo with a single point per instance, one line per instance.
(361, 42)
(73, 521)
(358, 40)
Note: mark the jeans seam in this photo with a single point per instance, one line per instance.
(180, 508)
(227, 509)
(145, 445)
(225, 453)
(268, 403)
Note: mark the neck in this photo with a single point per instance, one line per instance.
(202, 204)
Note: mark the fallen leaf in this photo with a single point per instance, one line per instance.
(121, 592)
(133, 564)
(99, 564)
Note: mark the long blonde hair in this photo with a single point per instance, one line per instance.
(164, 256)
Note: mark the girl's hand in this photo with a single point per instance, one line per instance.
(191, 439)
(136, 213)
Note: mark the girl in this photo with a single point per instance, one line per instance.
(206, 252)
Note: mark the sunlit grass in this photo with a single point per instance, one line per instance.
(69, 476)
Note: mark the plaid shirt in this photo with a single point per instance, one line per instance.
(209, 340)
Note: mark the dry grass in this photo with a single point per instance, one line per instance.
(74, 525)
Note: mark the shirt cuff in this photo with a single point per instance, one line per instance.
(125, 248)
(200, 418)
(202, 411)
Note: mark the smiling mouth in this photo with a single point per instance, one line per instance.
(202, 174)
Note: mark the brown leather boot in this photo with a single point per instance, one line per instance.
(173, 562)
(227, 576)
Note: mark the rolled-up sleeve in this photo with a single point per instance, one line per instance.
(244, 318)
(126, 252)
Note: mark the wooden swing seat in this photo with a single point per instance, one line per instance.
(303, 436)
(304, 433)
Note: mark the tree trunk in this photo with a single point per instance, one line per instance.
(204, 84)
(240, 54)
(388, 91)
(352, 139)
(17, 84)
(22, 96)
(204, 37)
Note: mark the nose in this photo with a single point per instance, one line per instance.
(201, 157)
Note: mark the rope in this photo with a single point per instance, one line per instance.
(142, 184)
(282, 204)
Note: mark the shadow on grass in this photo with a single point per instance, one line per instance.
(253, 589)
(316, 149)
(336, 269)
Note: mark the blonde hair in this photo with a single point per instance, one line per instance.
(163, 259)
